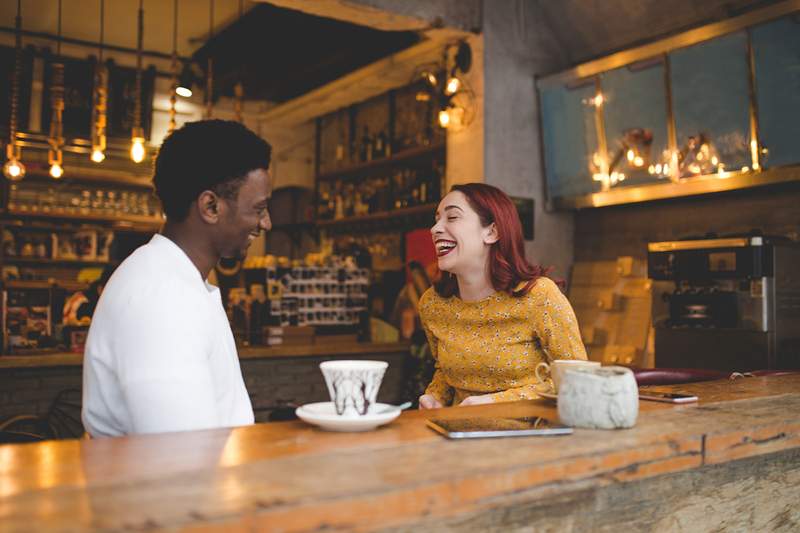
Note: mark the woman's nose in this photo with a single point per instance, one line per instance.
(266, 223)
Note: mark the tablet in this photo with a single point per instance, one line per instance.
(474, 428)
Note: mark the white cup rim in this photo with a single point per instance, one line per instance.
(353, 364)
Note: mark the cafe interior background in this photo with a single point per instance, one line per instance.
(623, 130)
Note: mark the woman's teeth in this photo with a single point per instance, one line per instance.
(444, 247)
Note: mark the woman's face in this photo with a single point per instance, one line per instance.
(462, 243)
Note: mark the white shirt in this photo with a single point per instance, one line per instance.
(160, 355)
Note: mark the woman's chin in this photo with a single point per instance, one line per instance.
(445, 264)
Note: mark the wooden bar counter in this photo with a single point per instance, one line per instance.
(730, 462)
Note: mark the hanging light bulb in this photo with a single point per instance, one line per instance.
(56, 139)
(137, 147)
(13, 169)
(100, 96)
(173, 94)
(210, 66)
(238, 88)
(453, 85)
(137, 133)
(444, 118)
(56, 171)
(429, 77)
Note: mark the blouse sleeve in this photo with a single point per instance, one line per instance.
(556, 331)
(438, 387)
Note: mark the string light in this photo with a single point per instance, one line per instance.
(137, 132)
(56, 139)
(100, 98)
(444, 118)
(452, 87)
(13, 169)
(210, 71)
(238, 89)
(173, 98)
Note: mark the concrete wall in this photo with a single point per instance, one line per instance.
(465, 148)
(517, 46)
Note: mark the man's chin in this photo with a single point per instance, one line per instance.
(236, 255)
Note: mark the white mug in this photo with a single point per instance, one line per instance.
(557, 368)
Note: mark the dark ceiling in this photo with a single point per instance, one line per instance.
(280, 53)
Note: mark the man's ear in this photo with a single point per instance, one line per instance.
(490, 235)
(209, 206)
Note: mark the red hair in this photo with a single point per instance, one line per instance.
(508, 266)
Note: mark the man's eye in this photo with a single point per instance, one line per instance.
(450, 219)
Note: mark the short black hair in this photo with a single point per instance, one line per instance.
(205, 155)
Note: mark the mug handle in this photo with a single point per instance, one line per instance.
(544, 380)
(539, 377)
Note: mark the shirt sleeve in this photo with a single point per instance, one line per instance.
(438, 387)
(163, 364)
(555, 329)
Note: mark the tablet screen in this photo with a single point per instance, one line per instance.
(461, 428)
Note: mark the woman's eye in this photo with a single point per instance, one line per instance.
(450, 219)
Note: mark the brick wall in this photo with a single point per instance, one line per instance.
(31, 391)
(271, 383)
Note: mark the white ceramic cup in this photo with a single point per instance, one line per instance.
(557, 368)
(353, 384)
(599, 398)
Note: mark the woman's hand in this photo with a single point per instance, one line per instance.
(477, 400)
(427, 401)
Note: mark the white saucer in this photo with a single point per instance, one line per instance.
(548, 395)
(323, 414)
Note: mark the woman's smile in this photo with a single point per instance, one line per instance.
(444, 247)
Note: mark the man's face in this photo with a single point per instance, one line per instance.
(246, 215)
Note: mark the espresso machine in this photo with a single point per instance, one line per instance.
(729, 304)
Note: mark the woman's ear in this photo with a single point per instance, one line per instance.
(208, 205)
(490, 235)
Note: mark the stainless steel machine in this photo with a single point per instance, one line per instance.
(730, 304)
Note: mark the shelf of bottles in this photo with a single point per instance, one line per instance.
(114, 204)
(385, 193)
(382, 160)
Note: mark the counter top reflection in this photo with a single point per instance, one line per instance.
(293, 477)
(332, 349)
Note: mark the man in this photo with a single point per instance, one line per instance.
(160, 355)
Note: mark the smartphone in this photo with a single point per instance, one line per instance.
(474, 428)
(668, 397)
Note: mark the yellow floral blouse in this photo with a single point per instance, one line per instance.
(492, 346)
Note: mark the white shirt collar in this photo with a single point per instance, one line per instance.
(181, 263)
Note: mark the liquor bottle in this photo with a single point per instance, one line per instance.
(365, 150)
(380, 145)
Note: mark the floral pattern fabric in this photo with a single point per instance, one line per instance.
(492, 346)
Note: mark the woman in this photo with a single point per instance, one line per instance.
(492, 316)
